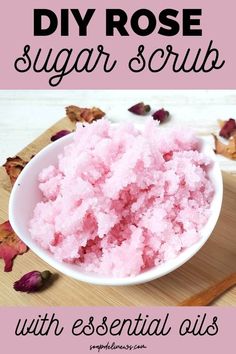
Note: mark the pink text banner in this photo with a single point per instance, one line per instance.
(117, 44)
(118, 330)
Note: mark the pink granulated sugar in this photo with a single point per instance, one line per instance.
(121, 200)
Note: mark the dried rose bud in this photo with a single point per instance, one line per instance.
(228, 128)
(60, 134)
(32, 281)
(140, 109)
(161, 115)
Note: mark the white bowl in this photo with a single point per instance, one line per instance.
(25, 195)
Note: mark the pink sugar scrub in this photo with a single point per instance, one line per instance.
(120, 201)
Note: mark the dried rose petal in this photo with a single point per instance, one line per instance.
(168, 156)
(10, 245)
(60, 134)
(14, 166)
(140, 109)
(78, 114)
(228, 128)
(32, 281)
(161, 115)
(228, 150)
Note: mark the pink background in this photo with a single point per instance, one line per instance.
(67, 343)
(217, 23)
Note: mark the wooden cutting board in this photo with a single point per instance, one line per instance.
(213, 262)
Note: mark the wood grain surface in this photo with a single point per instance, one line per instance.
(216, 260)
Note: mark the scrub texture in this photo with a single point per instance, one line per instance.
(122, 200)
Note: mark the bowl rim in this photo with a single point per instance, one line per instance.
(146, 276)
